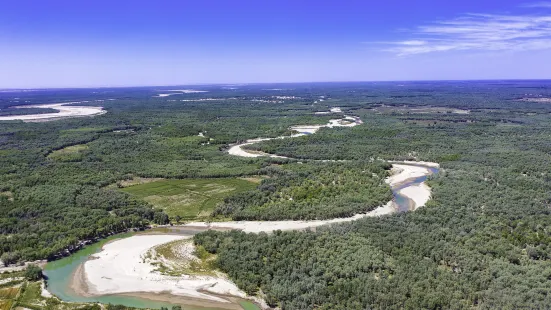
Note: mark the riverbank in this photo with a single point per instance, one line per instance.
(302, 130)
(120, 271)
(124, 267)
(418, 194)
(66, 110)
(406, 171)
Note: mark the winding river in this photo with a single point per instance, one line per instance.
(408, 176)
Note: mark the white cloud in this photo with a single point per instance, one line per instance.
(488, 32)
(413, 42)
(543, 4)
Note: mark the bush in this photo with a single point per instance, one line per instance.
(33, 273)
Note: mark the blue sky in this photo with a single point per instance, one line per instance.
(89, 43)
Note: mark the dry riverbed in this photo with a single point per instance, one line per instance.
(126, 266)
(66, 110)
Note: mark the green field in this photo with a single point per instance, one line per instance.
(69, 153)
(9, 293)
(5, 304)
(189, 198)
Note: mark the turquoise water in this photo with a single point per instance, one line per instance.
(403, 202)
(59, 275)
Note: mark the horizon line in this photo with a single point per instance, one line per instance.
(269, 83)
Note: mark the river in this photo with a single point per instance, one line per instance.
(60, 273)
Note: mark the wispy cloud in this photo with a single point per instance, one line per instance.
(488, 32)
(542, 4)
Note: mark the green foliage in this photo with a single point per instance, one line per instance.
(317, 190)
(69, 153)
(188, 198)
(483, 242)
(9, 258)
(33, 273)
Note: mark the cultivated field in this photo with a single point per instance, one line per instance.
(70, 153)
(188, 198)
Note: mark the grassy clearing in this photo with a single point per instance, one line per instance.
(70, 153)
(31, 295)
(190, 199)
(180, 257)
(28, 296)
(256, 180)
(9, 293)
(134, 181)
(14, 274)
(85, 129)
(247, 305)
(5, 304)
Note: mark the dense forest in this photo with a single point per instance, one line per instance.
(318, 190)
(483, 241)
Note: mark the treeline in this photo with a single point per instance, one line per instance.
(317, 190)
(54, 176)
(482, 242)
(51, 221)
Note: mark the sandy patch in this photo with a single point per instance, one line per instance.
(403, 173)
(237, 150)
(185, 301)
(121, 267)
(64, 109)
(418, 163)
(269, 226)
(7, 280)
(180, 92)
(43, 291)
(332, 110)
(419, 193)
(347, 121)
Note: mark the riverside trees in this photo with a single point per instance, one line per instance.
(481, 242)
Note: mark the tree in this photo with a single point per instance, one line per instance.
(9, 258)
(176, 307)
(33, 273)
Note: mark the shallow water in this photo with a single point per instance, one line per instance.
(59, 274)
(403, 202)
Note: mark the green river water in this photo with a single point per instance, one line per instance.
(59, 274)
